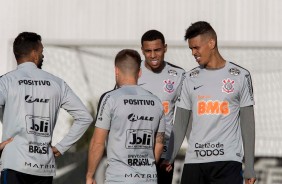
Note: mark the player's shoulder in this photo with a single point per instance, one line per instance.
(193, 73)
(174, 70)
(237, 70)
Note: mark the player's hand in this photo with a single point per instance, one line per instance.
(4, 143)
(90, 181)
(166, 165)
(56, 151)
(250, 181)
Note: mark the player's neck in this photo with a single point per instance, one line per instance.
(216, 62)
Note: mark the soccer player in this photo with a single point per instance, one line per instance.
(163, 80)
(219, 96)
(131, 119)
(31, 99)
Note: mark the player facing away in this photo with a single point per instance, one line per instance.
(131, 120)
(163, 80)
(219, 96)
(31, 99)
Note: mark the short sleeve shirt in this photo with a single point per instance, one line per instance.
(133, 116)
(166, 85)
(215, 98)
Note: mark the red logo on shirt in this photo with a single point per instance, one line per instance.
(228, 86)
(168, 87)
(213, 108)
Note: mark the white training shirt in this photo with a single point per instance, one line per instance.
(215, 98)
(133, 116)
(31, 99)
(166, 85)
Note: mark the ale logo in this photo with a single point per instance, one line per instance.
(228, 86)
(213, 108)
(37, 125)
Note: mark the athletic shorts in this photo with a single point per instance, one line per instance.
(164, 177)
(222, 172)
(9, 176)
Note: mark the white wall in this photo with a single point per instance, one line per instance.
(119, 20)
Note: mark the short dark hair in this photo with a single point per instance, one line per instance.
(152, 35)
(24, 43)
(199, 28)
(128, 60)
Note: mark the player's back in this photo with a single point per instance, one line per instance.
(135, 119)
(33, 98)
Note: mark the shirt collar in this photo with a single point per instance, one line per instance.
(27, 64)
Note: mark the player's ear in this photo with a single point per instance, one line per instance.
(165, 48)
(142, 50)
(139, 73)
(212, 43)
(116, 71)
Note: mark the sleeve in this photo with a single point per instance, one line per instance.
(184, 99)
(2, 93)
(178, 132)
(247, 123)
(247, 97)
(162, 123)
(179, 87)
(104, 112)
(82, 119)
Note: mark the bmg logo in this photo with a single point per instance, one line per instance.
(139, 139)
(39, 126)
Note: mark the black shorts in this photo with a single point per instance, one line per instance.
(164, 177)
(213, 173)
(9, 176)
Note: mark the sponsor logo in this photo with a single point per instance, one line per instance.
(103, 107)
(38, 148)
(166, 107)
(149, 177)
(138, 160)
(250, 86)
(234, 71)
(39, 166)
(209, 149)
(35, 82)
(228, 86)
(168, 87)
(138, 102)
(132, 117)
(139, 139)
(30, 99)
(172, 72)
(197, 87)
(213, 108)
(194, 73)
(39, 126)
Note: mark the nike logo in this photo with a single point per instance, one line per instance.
(141, 84)
(197, 87)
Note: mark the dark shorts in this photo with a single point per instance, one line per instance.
(163, 176)
(9, 176)
(213, 173)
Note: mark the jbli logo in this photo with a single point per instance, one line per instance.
(139, 139)
(42, 127)
(38, 125)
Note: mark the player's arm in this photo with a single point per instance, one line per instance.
(96, 150)
(82, 119)
(247, 123)
(159, 145)
(2, 92)
(178, 133)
